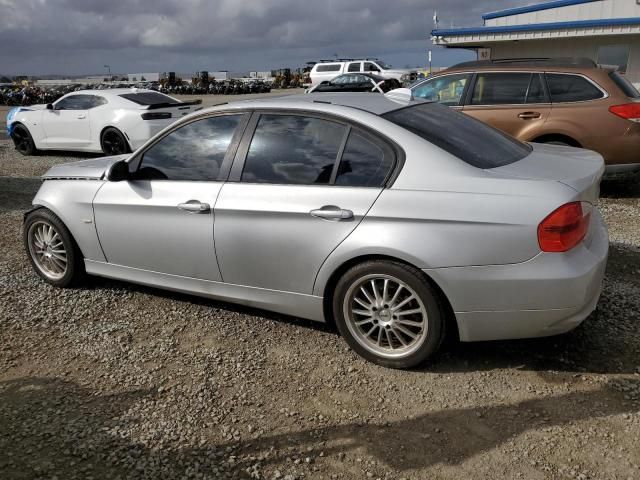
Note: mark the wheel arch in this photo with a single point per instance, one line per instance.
(47, 206)
(557, 137)
(124, 134)
(327, 290)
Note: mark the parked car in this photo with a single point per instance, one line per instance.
(356, 82)
(398, 221)
(329, 69)
(556, 101)
(110, 121)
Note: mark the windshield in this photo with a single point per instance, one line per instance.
(382, 65)
(470, 140)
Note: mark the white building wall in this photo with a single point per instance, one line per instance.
(570, 47)
(585, 11)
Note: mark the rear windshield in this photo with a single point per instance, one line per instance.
(625, 85)
(149, 98)
(468, 139)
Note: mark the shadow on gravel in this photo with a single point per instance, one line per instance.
(606, 342)
(629, 188)
(16, 193)
(54, 427)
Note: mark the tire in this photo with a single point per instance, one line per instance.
(369, 323)
(61, 262)
(113, 142)
(558, 142)
(23, 141)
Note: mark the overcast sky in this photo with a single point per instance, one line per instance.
(133, 36)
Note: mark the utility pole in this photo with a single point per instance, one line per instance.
(108, 67)
(429, 62)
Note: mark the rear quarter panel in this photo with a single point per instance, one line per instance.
(491, 221)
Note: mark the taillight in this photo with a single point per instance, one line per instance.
(156, 115)
(565, 227)
(628, 111)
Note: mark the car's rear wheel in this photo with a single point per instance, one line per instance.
(23, 141)
(52, 251)
(113, 142)
(389, 313)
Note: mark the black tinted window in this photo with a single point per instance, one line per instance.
(370, 67)
(364, 163)
(292, 149)
(468, 139)
(328, 68)
(536, 90)
(571, 88)
(501, 88)
(625, 85)
(193, 152)
(149, 98)
(76, 102)
(354, 67)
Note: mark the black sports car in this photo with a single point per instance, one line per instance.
(357, 82)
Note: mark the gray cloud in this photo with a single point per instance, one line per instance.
(73, 36)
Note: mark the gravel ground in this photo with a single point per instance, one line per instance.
(120, 381)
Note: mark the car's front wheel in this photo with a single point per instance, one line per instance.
(52, 251)
(23, 141)
(389, 313)
(113, 142)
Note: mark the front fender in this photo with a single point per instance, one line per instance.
(72, 202)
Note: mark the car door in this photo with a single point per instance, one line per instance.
(446, 89)
(514, 102)
(299, 186)
(67, 125)
(161, 219)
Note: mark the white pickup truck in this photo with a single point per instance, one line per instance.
(329, 69)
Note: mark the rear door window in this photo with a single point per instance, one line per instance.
(354, 67)
(470, 140)
(504, 88)
(149, 98)
(565, 88)
(333, 67)
(366, 162)
(293, 150)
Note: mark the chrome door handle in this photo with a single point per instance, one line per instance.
(331, 212)
(194, 206)
(529, 115)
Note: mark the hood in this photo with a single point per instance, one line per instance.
(93, 169)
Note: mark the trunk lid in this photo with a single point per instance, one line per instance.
(577, 168)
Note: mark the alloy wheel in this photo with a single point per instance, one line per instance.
(113, 143)
(21, 140)
(385, 315)
(47, 250)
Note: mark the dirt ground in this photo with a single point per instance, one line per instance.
(121, 381)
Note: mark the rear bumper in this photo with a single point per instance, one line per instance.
(547, 295)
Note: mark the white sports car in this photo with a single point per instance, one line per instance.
(112, 121)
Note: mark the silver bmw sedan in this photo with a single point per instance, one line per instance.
(397, 219)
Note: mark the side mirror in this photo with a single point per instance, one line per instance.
(118, 172)
(49, 106)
